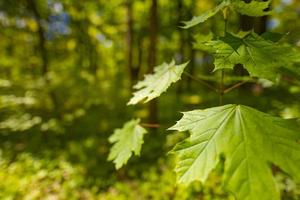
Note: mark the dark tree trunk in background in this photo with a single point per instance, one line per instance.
(192, 51)
(180, 10)
(153, 114)
(140, 54)
(42, 48)
(41, 35)
(248, 23)
(129, 41)
(261, 24)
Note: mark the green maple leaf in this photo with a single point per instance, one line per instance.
(155, 84)
(254, 9)
(205, 16)
(127, 140)
(201, 40)
(261, 56)
(272, 36)
(249, 139)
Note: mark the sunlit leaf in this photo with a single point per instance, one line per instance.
(155, 84)
(249, 139)
(127, 140)
(253, 8)
(206, 15)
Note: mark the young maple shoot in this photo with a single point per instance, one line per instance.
(250, 140)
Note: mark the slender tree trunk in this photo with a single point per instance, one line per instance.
(153, 112)
(42, 47)
(129, 42)
(42, 40)
(192, 51)
(140, 54)
(248, 23)
(181, 40)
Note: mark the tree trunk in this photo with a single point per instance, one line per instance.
(153, 114)
(192, 51)
(129, 42)
(42, 40)
(42, 48)
(248, 23)
(181, 41)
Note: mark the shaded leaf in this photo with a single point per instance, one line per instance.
(262, 58)
(200, 41)
(272, 36)
(254, 8)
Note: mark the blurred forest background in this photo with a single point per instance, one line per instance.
(66, 71)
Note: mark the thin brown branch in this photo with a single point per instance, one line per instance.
(221, 89)
(201, 81)
(234, 86)
(150, 125)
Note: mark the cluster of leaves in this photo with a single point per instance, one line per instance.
(244, 136)
(254, 8)
(262, 55)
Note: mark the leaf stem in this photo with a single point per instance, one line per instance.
(150, 125)
(221, 89)
(201, 81)
(225, 16)
(234, 86)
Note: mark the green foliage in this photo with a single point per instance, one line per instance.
(244, 136)
(157, 183)
(35, 178)
(247, 139)
(155, 84)
(65, 69)
(254, 8)
(261, 57)
(206, 15)
(127, 140)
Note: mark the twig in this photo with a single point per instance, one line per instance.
(234, 87)
(201, 82)
(221, 89)
(150, 125)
